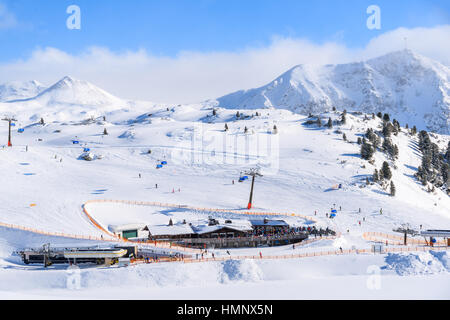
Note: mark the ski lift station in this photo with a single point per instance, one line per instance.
(437, 234)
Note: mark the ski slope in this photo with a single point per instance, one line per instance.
(300, 170)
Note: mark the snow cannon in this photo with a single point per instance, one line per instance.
(20, 130)
(159, 166)
(163, 162)
(333, 215)
(75, 142)
(334, 211)
(86, 150)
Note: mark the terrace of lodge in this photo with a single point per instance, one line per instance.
(226, 234)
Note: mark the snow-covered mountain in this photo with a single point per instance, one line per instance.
(410, 87)
(16, 90)
(70, 91)
(68, 99)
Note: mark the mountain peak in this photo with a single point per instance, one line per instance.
(412, 88)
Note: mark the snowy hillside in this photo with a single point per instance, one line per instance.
(303, 161)
(410, 87)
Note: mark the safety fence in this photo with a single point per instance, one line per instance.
(165, 244)
(398, 240)
(53, 234)
(201, 209)
(315, 254)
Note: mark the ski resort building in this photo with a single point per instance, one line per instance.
(130, 231)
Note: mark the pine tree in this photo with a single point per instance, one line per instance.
(376, 176)
(386, 171)
(392, 189)
(105, 132)
(344, 137)
(170, 222)
(214, 112)
(226, 127)
(359, 141)
(388, 128)
(42, 121)
(386, 118)
(367, 150)
(447, 154)
(319, 122)
(238, 114)
(245, 130)
(330, 123)
(379, 115)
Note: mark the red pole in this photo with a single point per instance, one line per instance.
(251, 194)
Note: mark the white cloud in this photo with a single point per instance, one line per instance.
(7, 19)
(195, 76)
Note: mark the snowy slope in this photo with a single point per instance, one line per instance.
(410, 87)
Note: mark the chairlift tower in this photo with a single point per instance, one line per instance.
(254, 173)
(405, 229)
(10, 120)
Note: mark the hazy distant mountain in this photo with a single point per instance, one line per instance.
(410, 87)
(70, 91)
(16, 90)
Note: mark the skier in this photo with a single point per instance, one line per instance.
(260, 254)
(359, 210)
(139, 175)
(381, 211)
(156, 186)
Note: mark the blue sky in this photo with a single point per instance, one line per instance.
(181, 51)
(166, 27)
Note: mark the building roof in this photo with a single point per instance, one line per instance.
(176, 229)
(126, 227)
(241, 227)
(272, 223)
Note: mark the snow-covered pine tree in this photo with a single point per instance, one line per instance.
(392, 189)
